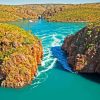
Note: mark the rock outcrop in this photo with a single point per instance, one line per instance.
(51, 10)
(20, 12)
(20, 54)
(73, 12)
(83, 49)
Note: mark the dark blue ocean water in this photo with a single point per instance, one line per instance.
(52, 82)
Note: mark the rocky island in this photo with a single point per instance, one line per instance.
(83, 49)
(20, 54)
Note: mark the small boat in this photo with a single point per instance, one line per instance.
(30, 21)
(60, 55)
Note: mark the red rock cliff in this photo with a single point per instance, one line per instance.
(83, 49)
(20, 54)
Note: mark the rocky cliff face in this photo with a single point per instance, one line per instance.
(51, 10)
(19, 12)
(73, 13)
(20, 54)
(83, 49)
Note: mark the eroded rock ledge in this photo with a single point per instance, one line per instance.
(83, 49)
(20, 54)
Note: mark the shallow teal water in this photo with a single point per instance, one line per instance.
(52, 82)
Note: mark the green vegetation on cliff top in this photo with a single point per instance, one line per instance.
(74, 13)
(63, 13)
(20, 52)
(13, 13)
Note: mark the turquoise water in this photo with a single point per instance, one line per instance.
(52, 82)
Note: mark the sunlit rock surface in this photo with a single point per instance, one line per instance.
(20, 54)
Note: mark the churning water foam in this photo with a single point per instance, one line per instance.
(48, 61)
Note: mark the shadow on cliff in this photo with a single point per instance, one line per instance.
(92, 77)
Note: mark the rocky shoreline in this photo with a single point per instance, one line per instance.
(83, 49)
(20, 54)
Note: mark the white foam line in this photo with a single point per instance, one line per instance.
(41, 35)
(56, 41)
(34, 86)
(43, 63)
(49, 67)
(39, 80)
(46, 59)
(46, 36)
(47, 56)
